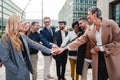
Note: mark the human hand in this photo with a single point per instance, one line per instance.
(97, 48)
(61, 50)
(54, 45)
(55, 51)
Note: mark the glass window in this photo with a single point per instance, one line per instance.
(116, 13)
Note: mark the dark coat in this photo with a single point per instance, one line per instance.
(48, 37)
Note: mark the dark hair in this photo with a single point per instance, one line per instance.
(64, 22)
(33, 23)
(83, 18)
(75, 23)
(95, 9)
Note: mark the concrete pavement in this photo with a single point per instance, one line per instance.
(40, 70)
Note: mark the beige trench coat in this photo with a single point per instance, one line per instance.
(111, 44)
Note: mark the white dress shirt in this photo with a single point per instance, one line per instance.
(71, 35)
(99, 39)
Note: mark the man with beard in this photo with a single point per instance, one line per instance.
(34, 35)
(61, 59)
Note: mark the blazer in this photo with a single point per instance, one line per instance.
(48, 37)
(110, 34)
(17, 67)
(38, 38)
(58, 42)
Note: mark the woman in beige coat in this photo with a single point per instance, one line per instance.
(104, 38)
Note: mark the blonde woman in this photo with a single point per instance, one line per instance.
(14, 52)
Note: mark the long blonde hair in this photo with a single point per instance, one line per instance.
(12, 31)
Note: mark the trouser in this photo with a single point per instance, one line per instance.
(61, 61)
(73, 67)
(85, 70)
(34, 60)
(102, 71)
(47, 63)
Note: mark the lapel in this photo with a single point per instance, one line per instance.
(26, 46)
(92, 35)
(105, 32)
(59, 35)
(48, 32)
(13, 51)
(66, 33)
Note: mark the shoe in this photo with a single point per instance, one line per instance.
(50, 77)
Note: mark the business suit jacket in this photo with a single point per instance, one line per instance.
(48, 37)
(111, 44)
(17, 68)
(60, 59)
(58, 42)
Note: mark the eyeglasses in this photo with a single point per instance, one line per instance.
(47, 22)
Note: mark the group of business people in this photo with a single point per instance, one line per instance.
(103, 39)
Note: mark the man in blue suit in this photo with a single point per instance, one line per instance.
(48, 34)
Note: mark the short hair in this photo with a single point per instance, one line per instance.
(75, 23)
(83, 18)
(33, 23)
(64, 22)
(47, 17)
(95, 9)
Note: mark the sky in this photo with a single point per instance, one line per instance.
(51, 8)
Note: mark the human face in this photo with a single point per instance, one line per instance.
(76, 28)
(27, 27)
(20, 26)
(82, 24)
(47, 22)
(36, 27)
(61, 26)
(91, 16)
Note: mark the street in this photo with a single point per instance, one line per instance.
(40, 70)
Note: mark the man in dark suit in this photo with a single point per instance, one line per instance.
(48, 34)
(61, 59)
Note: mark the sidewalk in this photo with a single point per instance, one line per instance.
(40, 70)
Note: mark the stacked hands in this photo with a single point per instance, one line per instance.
(56, 50)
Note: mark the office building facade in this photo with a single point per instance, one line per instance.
(110, 9)
(72, 10)
(7, 8)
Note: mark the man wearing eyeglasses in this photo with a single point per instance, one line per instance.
(48, 34)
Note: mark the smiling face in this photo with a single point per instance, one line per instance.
(47, 21)
(91, 16)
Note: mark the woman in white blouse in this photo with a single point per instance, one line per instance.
(72, 54)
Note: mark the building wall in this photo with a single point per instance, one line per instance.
(9, 8)
(72, 10)
(104, 6)
(110, 9)
(66, 13)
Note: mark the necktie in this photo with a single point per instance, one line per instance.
(51, 31)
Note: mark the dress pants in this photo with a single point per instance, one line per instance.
(102, 71)
(34, 60)
(47, 64)
(61, 61)
(85, 70)
(74, 75)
